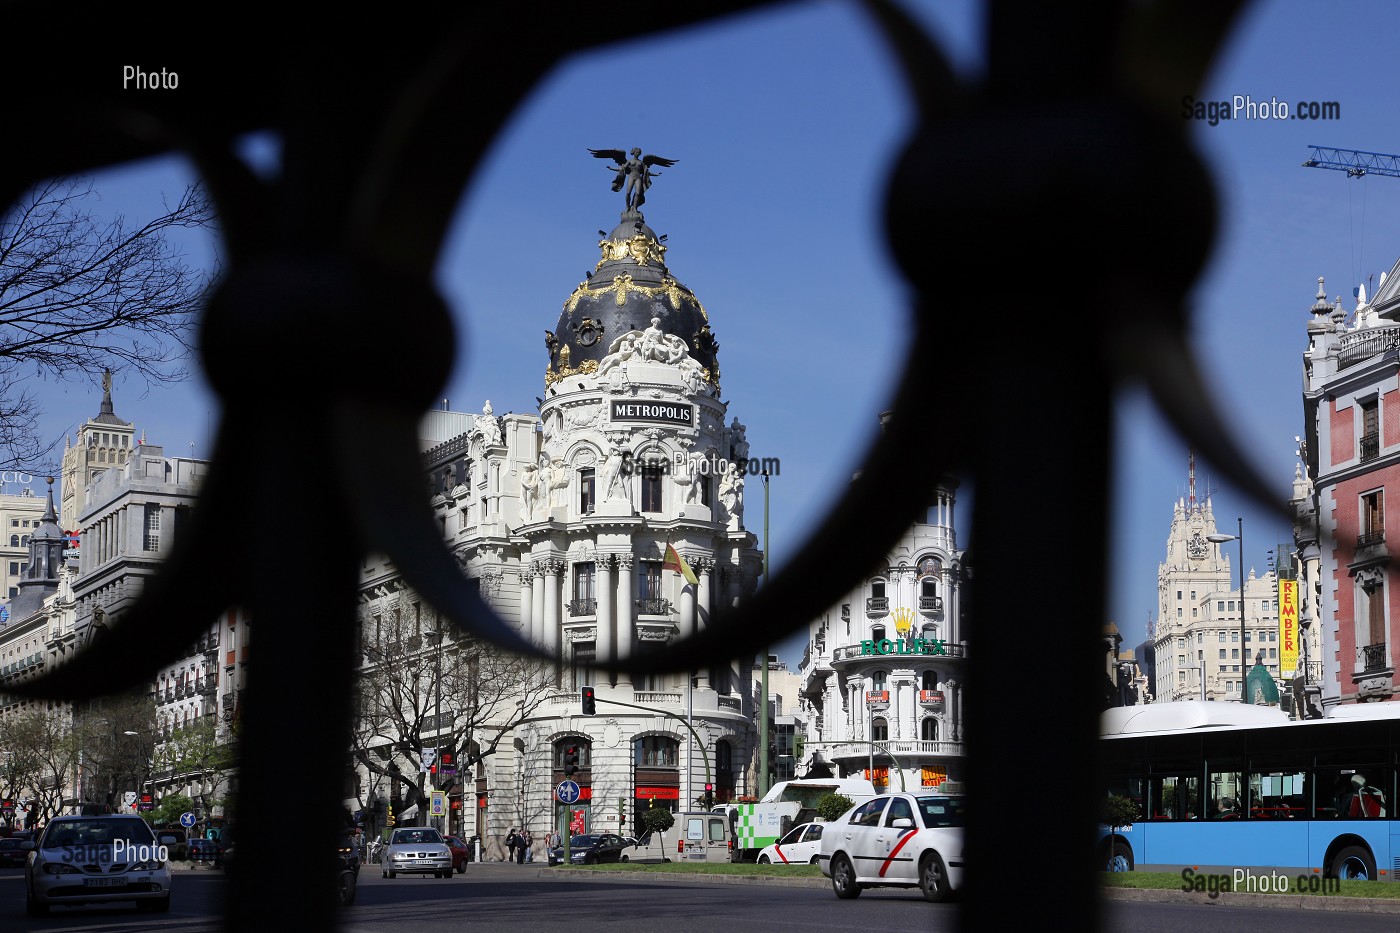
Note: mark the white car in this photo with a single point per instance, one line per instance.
(417, 850)
(97, 859)
(896, 840)
(800, 846)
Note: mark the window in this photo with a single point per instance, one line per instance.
(899, 809)
(1370, 429)
(651, 483)
(656, 751)
(586, 486)
(879, 681)
(1220, 605)
(1222, 635)
(1222, 654)
(649, 579)
(877, 633)
(928, 729)
(1193, 596)
(1234, 652)
(869, 814)
(877, 589)
(1178, 595)
(1200, 638)
(578, 742)
(879, 730)
(928, 680)
(584, 575)
(585, 655)
(150, 540)
(1373, 515)
(704, 482)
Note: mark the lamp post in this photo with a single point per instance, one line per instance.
(1244, 653)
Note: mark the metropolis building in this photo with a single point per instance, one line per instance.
(564, 520)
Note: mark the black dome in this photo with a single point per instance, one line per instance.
(630, 286)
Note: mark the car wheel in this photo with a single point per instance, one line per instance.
(1120, 857)
(461, 867)
(815, 861)
(33, 907)
(1354, 863)
(624, 858)
(843, 878)
(933, 878)
(391, 874)
(590, 860)
(764, 860)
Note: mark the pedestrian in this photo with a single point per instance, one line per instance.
(520, 846)
(512, 844)
(529, 846)
(553, 841)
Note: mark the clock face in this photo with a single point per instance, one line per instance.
(1196, 547)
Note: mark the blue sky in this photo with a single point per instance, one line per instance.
(785, 124)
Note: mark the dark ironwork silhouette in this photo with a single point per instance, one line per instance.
(381, 134)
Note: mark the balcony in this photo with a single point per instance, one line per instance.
(931, 699)
(903, 749)
(877, 605)
(1369, 539)
(925, 647)
(1373, 658)
(653, 606)
(1370, 446)
(583, 607)
(208, 684)
(227, 701)
(931, 604)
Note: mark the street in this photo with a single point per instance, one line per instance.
(505, 897)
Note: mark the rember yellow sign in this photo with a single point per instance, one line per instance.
(1287, 628)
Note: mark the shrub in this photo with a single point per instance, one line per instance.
(832, 806)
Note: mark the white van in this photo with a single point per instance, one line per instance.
(702, 837)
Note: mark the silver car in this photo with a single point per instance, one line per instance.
(417, 850)
(97, 859)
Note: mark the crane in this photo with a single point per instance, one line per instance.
(1354, 162)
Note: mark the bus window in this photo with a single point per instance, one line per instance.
(1277, 792)
(1353, 793)
(1227, 790)
(1175, 797)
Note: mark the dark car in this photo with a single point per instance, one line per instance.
(461, 852)
(590, 849)
(205, 850)
(12, 853)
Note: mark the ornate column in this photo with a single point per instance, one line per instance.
(554, 569)
(733, 580)
(625, 605)
(704, 569)
(527, 599)
(537, 602)
(954, 715)
(607, 635)
(687, 609)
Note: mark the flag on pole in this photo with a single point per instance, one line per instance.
(677, 563)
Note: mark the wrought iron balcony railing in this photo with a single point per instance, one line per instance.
(1373, 658)
(583, 607)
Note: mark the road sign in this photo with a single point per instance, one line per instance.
(438, 806)
(187, 819)
(567, 792)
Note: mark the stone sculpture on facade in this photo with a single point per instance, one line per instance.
(731, 496)
(529, 491)
(490, 430)
(613, 483)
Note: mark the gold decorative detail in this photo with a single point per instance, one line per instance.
(564, 357)
(623, 285)
(640, 248)
(903, 618)
(586, 368)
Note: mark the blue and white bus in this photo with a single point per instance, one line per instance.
(1225, 787)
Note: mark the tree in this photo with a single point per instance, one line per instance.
(1119, 810)
(81, 293)
(831, 806)
(194, 756)
(38, 757)
(117, 735)
(657, 820)
(481, 695)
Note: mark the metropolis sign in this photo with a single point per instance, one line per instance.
(661, 412)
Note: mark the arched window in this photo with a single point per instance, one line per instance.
(14, 540)
(581, 743)
(879, 729)
(724, 771)
(879, 681)
(928, 729)
(877, 633)
(928, 680)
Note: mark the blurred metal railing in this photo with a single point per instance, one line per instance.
(381, 131)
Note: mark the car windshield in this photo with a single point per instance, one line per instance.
(941, 811)
(414, 837)
(578, 841)
(98, 833)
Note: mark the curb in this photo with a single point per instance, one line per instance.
(1365, 905)
(589, 874)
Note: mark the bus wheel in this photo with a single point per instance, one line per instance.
(1353, 863)
(1120, 858)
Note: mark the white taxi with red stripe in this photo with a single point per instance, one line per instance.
(896, 840)
(799, 847)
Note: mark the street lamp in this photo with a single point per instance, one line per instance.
(1244, 653)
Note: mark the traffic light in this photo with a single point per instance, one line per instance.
(570, 760)
(389, 821)
(709, 796)
(589, 705)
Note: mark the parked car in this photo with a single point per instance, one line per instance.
(799, 847)
(13, 852)
(417, 850)
(204, 850)
(590, 849)
(896, 840)
(652, 847)
(97, 859)
(461, 852)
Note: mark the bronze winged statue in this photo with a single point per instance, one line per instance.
(634, 172)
